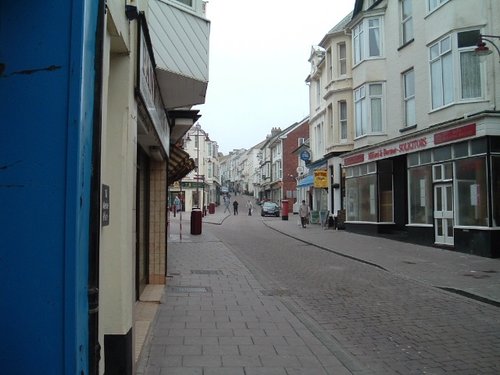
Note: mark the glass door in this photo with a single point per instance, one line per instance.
(443, 214)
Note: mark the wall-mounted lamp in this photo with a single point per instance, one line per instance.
(482, 49)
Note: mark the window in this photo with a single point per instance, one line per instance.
(318, 92)
(361, 193)
(420, 195)
(330, 123)
(368, 106)
(329, 58)
(318, 139)
(441, 65)
(470, 69)
(409, 97)
(189, 3)
(433, 4)
(357, 42)
(472, 194)
(343, 120)
(372, 46)
(466, 70)
(406, 21)
(342, 59)
(495, 188)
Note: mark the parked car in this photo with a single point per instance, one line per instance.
(270, 209)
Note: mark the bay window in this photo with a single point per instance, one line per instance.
(441, 73)
(470, 69)
(342, 57)
(367, 39)
(445, 70)
(343, 120)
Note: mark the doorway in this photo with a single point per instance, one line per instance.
(443, 214)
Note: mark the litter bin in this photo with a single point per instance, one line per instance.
(284, 209)
(211, 208)
(196, 221)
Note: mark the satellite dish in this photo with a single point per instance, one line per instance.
(300, 170)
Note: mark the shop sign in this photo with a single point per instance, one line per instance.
(455, 134)
(320, 179)
(305, 155)
(150, 93)
(402, 148)
(356, 159)
(413, 145)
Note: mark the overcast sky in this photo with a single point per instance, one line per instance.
(259, 51)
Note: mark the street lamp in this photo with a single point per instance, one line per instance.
(482, 49)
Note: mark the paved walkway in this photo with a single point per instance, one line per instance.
(214, 318)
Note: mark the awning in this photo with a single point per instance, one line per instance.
(179, 164)
(306, 181)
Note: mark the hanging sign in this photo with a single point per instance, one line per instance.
(321, 179)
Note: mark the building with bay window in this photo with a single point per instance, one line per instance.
(425, 163)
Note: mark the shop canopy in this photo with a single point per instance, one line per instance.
(179, 164)
(306, 181)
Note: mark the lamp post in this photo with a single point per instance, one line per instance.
(198, 127)
(482, 49)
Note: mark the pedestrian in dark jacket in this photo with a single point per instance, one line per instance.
(235, 207)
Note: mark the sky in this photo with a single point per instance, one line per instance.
(258, 64)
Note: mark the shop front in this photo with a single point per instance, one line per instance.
(439, 187)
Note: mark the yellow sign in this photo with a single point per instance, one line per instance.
(321, 179)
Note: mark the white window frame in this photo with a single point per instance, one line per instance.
(318, 92)
(441, 57)
(358, 43)
(406, 21)
(329, 119)
(361, 36)
(447, 88)
(409, 98)
(319, 140)
(342, 107)
(363, 99)
(460, 52)
(342, 58)
(432, 5)
(329, 61)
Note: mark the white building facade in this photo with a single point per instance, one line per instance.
(426, 162)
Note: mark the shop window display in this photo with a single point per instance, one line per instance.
(472, 197)
(420, 195)
(495, 188)
(361, 196)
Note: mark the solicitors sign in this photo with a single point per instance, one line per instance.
(412, 145)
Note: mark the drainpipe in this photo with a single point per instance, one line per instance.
(95, 208)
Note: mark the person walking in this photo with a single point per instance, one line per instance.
(235, 207)
(250, 207)
(304, 213)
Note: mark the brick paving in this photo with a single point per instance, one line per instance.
(397, 320)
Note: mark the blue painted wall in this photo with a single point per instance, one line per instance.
(46, 101)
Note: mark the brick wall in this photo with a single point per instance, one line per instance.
(290, 160)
